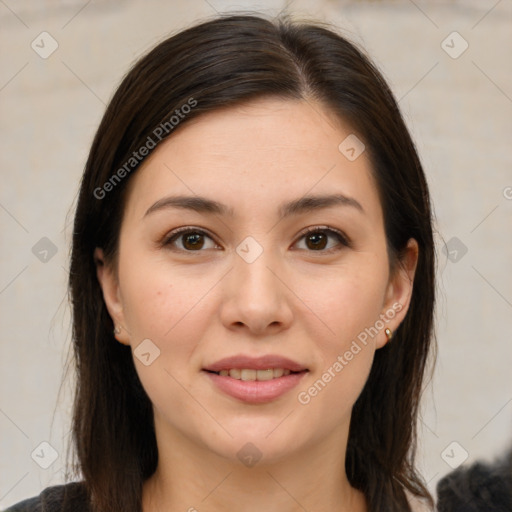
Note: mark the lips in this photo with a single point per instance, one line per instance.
(255, 379)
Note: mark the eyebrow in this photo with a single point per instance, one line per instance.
(304, 204)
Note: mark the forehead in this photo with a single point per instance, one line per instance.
(256, 154)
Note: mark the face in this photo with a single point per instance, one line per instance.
(254, 313)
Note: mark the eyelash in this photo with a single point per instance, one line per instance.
(342, 239)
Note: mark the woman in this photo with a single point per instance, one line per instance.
(252, 282)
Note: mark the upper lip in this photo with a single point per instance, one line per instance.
(255, 363)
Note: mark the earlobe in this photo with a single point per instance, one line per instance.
(399, 291)
(111, 295)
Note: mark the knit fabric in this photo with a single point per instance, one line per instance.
(70, 497)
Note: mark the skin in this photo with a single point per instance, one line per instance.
(294, 300)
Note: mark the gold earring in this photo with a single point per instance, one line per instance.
(389, 333)
(117, 330)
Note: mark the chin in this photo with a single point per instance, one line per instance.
(258, 451)
(263, 442)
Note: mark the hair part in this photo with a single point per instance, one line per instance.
(113, 431)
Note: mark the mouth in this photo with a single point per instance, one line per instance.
(249, 374)
(248, 364)
(255, 380)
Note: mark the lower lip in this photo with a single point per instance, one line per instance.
(254, 391)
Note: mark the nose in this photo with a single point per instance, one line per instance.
(255, 297)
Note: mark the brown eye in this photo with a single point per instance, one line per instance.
(193, 241)
(317, 239)
(190, 240)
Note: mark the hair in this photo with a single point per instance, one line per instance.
(212, 65)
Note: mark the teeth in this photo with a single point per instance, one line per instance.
(265, 374)
(235, 373)
(260, 375)
(247, 374)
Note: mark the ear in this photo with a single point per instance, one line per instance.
(399, 291)
(111, 294)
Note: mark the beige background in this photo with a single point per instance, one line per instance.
(460, 113)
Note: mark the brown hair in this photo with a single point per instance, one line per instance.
(218, 63)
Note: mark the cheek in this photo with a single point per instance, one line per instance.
(164, 306)
(158, 301)
(349, 305)
(347, 301)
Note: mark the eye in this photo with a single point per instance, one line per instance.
(192, 240)
(316, 239)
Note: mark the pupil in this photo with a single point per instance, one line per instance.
(318, 239)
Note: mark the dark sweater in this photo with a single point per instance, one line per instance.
(478, 488)
(70, 497)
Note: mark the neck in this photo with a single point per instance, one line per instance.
(192, 479)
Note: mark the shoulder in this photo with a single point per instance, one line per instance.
(71, 497)
(478, 488)
(417, 504)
